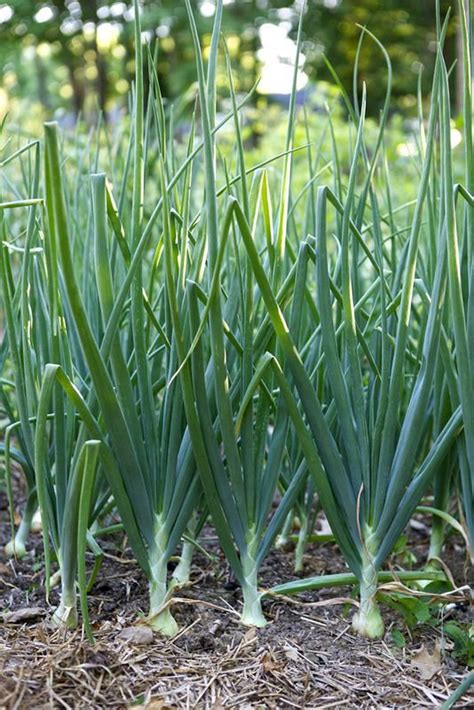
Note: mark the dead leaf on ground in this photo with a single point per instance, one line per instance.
(426, 663)
(271, 664)
(141, 635)
(250, 635)
(20, 615)
(291, 653)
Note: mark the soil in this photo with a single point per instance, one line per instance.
(306, 657)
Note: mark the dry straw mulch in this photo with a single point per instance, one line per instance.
(306, 658)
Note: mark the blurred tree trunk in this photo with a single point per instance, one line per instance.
(102, 80)
(101, 84)
(41, 74)
(78, 93)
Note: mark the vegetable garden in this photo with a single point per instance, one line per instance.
(220, 368)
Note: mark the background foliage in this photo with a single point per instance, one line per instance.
(76, 56)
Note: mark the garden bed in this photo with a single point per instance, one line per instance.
(306, 657)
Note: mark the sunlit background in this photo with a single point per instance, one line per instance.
(69, 59)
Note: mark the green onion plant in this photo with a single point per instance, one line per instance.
(374, 464)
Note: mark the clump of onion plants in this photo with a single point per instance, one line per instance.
(237, 425)
(144, 453)
(18, 388)
(379, 321)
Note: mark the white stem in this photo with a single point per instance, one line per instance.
(252, 614)
(183, 570)
(368, 620)
(55, 579)
(160, 618)
(17, 546)
(436, 541)
(300, 545)
(282, 538)
(36, 522)
(66, 612)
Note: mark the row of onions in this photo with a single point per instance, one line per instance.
(189, 341)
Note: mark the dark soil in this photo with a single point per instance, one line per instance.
(306, 657)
